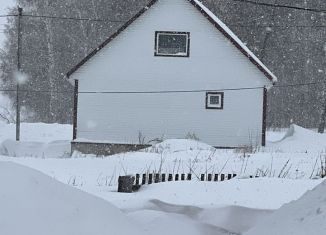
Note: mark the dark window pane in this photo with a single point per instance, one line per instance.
(172, 44)
(214, 99)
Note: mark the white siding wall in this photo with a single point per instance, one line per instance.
(128, 64)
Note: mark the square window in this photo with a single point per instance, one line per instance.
(175, 44)
(214, 100)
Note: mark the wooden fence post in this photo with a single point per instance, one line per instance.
(216, 177)
(170, 177)
(176, 177)
(183, 177)
(202, 177)
(143, 180)
(157, 178)
(222, 177)
(137, 179)
(189, 176)
(209, 177)
(163, 177)
(150, 178)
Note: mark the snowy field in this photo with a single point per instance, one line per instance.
(288, 167)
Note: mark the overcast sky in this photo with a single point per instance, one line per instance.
(4, 4)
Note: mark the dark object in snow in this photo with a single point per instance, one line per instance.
(143, 179)
(137, 179)
(135, 188)
(157, 178)
(209, 177)
(183, 177)
(202, 177)
(170, 177)
(189, 177)
(222, 177)
(176, 177)
(216, 177)
(126, 184)
(150, 178)
(163, 177)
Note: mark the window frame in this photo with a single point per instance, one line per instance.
(212, 106)
(157, 33)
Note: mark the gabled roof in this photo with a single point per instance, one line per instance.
(209, 16)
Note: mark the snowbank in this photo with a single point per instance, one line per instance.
(191, 219)
(162, 223)
(56, 149)
(178, 145)
(37, 132)
(298, 139)
(251, 193)
(38, 140)
(304, 216)
(32, 203)
(190, 207)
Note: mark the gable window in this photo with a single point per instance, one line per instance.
(175, 44)
(214, 100)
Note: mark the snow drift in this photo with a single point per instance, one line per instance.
(38, 140)
(178, 145)
(32, 203)
(304, 216)
(55, 149)
(208, 220)
(299, 139)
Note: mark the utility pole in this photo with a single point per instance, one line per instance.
(321, 127)
(19, 41)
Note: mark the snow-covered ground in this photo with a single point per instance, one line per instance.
(288, 167)
(304, 216)
(33, 203)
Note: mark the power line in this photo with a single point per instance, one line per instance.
(64, 18)
(122, 21)
(275, 26)
(168, 91)
(10, 15)
(282, 6)
(299, 84)
(73, 18)
(236, 25)
(165, 91)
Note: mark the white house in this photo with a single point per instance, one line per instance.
(173, 69)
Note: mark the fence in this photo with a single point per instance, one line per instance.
(133, 183)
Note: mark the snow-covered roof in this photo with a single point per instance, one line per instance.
(211, 17)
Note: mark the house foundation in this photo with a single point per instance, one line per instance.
(104, 149)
